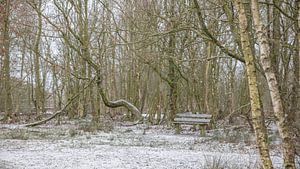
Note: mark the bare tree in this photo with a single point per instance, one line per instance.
(257, 115)
(282, 120)
(5, 52)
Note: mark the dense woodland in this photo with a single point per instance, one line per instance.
(237, 60)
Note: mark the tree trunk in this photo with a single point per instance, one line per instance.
(6, 65)
(85, 53)
(38, 87)
(172, 75)
(297, 60)
(118, 103)
(276, 37)
(257, 115)
(208, 80)
(281, 116)
(172, 91)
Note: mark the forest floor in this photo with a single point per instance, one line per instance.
(75, 146)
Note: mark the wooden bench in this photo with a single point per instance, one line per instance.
(202, 120)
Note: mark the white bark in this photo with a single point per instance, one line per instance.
(281, 120)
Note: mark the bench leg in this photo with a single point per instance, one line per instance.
(177, 128)
(202, 130)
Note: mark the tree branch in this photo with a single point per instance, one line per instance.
(61, 110)
(119, 103)
(212, 38)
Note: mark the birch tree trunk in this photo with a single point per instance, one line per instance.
(256, 110)
(281, 116)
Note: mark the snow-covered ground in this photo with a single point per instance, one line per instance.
(125, 147)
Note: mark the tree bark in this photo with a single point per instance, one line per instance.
(276, 36)
(39, 100)
(172, 74)
(118, 103)
(281, 116)
(5, 50)
(207, 78)
(257, 115)
(212, 38)
(297, 61)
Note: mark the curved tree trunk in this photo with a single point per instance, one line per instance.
(119, 103)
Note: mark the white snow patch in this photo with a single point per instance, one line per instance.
(127, 148)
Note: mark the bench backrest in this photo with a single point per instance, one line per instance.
(190, 118)
(190, 115)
